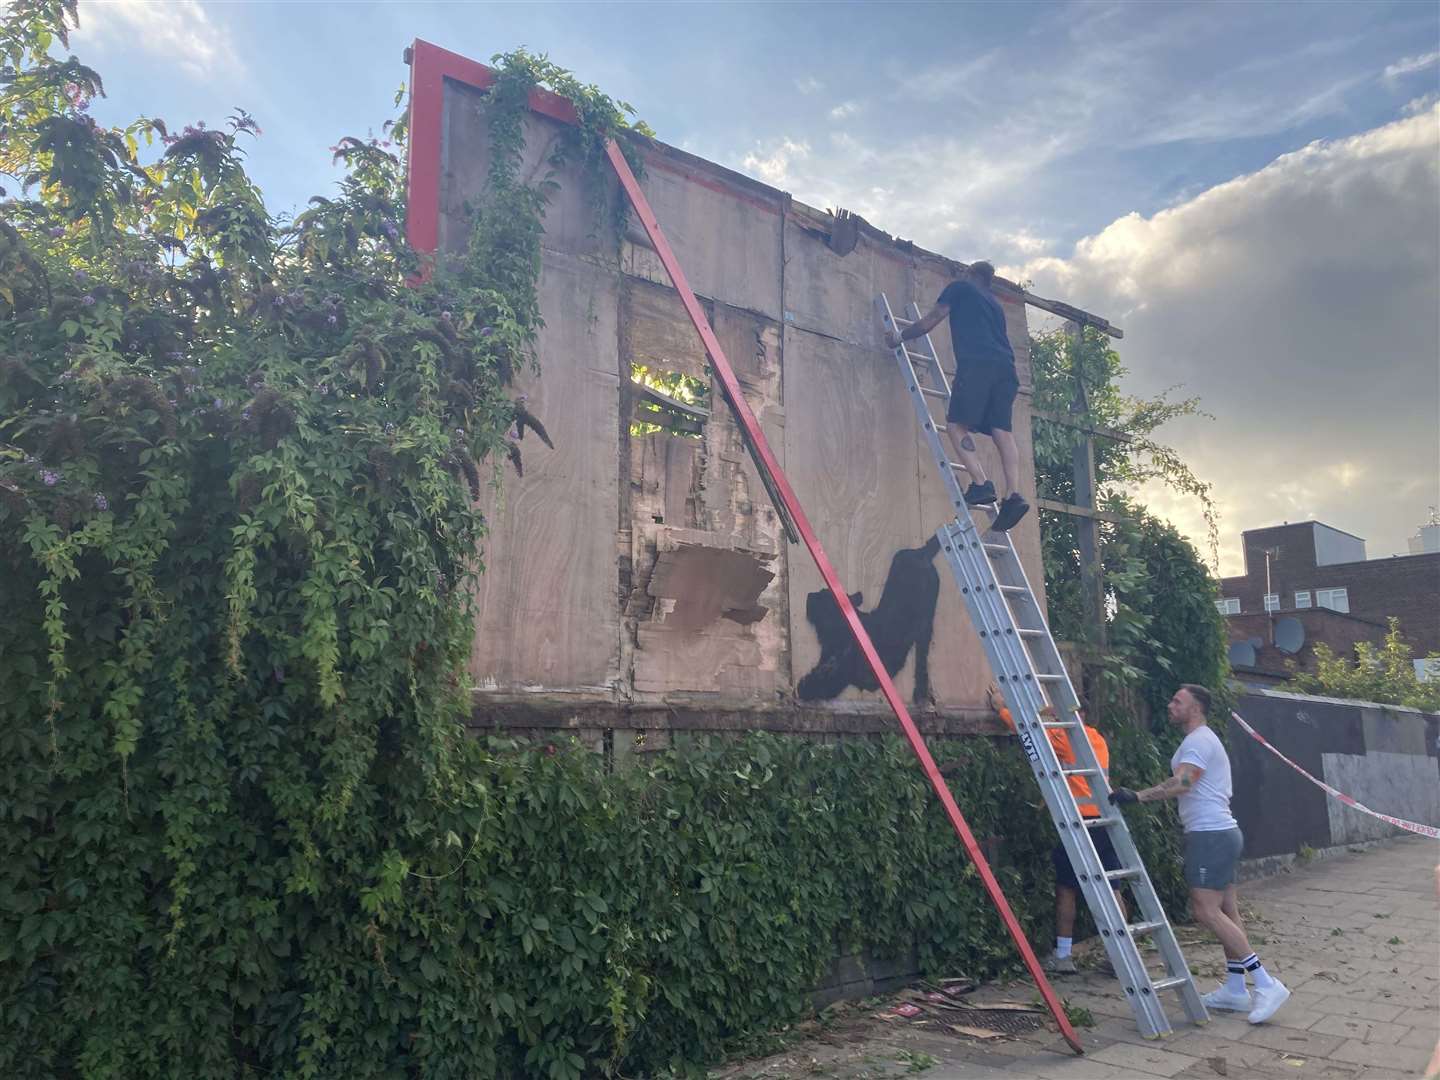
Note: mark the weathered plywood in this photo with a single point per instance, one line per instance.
(835, 295)
(851, 458)
(576, 222)
(707, 484)
(549, 615)
(727, 240)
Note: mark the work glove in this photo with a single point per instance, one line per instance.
(1122, 795)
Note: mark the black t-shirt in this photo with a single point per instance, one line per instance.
(977, 326)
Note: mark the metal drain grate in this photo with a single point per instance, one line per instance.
(1003, 1021)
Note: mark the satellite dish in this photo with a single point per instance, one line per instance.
(1289, 635)
(1242, 654)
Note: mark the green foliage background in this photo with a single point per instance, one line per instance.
(243, 831)
(1383, 673)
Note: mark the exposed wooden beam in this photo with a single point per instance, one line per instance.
(1068, 311)
(1079, 511)
(1071, 420)
(668, 402)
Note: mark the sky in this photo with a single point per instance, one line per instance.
(1251, 190)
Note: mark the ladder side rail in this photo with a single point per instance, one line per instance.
(988, 609)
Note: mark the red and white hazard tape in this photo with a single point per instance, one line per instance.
(1413, 826)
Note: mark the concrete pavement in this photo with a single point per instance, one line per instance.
(1355, 937)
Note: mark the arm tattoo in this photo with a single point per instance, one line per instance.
(1170, 788)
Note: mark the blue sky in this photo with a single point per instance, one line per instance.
(1038, 135)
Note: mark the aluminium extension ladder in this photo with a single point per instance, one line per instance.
(1027, 665)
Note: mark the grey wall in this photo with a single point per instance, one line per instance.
(1384, 757)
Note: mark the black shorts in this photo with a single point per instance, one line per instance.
(1065, 873)
(982, 397)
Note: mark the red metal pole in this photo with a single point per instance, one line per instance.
(747, 420)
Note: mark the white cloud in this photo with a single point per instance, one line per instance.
(179, 31)
(1421, 104)
(1300, 303)
(1411, 64)
(844, 109)
(809, 85)
(773, 165)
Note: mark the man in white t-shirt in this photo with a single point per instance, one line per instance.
(1213, 843)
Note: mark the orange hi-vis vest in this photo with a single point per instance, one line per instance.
(1060, 740)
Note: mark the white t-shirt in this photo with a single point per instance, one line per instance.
(1206, 806)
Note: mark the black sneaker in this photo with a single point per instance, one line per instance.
(1011, 511)
(980, 494)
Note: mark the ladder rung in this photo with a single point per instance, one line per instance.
(919, 356)
(1124, 872)
(933, 393)
(1170, 983)
(1014, 589)
(1143, 927)
(1002, 547)
(1059, 723)
(1097, 822)
(1050, 678)
(901, 322)
(1079, 772)
(1030, 633)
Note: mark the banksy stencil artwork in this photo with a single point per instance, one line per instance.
(904, 619)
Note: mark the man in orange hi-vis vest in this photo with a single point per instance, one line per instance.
(1067, 886)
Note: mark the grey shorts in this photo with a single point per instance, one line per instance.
(1211, 858)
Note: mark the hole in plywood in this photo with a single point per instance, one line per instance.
(669, 402)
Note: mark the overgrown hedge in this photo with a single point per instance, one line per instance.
(576, 923)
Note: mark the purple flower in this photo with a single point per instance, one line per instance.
(486, 331)
(176, 355)
(389, 428)
(219, 404)
(81, 276)
(101, 502)
(245, 414)
(58, 231)
(322, 389)
(514, 431)
(332, 320)
(88, 300)
(279, 301)
(49, 477)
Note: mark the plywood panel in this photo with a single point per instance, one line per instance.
(578, 220)
(728, 242)
(549, 614)
(850, 455)
(835, 295)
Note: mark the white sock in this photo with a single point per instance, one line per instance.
(1062, 946)
(1235, 976)
(1256, 970)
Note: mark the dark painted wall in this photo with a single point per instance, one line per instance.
(1279, 810)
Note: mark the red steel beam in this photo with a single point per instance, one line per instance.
(781, 484)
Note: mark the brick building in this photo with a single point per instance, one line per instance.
(1319, 577)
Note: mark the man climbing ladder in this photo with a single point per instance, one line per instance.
(983, 393)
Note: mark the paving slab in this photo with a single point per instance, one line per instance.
(1360, 1008)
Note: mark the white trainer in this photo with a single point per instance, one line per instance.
(1268, 1002)
(1224, 998)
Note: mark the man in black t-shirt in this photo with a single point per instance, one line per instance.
(983, 393)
